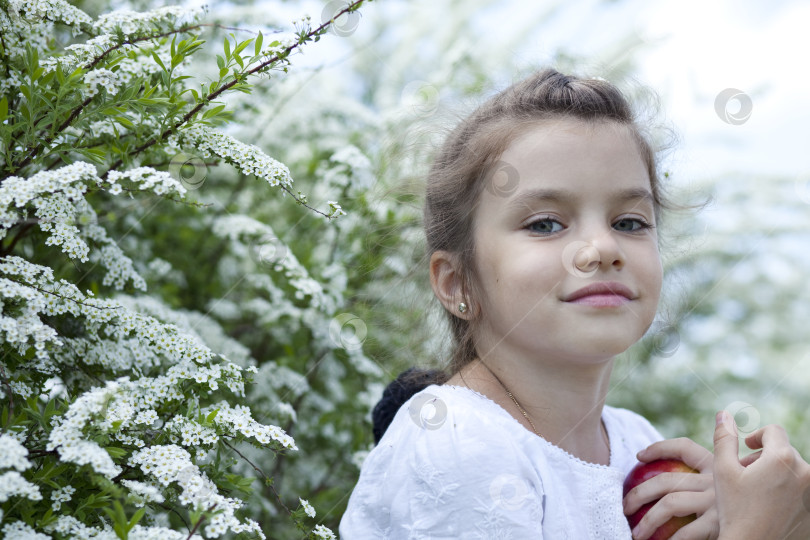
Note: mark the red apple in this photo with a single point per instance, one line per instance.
(644, 471)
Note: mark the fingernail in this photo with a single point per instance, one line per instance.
(641, 453)
(636, 531)
(719, 418)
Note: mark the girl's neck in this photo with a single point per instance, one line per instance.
(564, 404)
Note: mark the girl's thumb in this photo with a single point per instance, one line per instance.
(726, 444)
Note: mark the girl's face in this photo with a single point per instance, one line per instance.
(570, 208)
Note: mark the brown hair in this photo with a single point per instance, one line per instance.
(467, 160)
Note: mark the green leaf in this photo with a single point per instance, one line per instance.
(258, 46)
(3, 108)
(223, 72)
(211, 416)
(220, 62)
(213, 112)
(124, 121)
(227, 48)
(241, 47)
(116, 453)
(158, 60)
(136, 518)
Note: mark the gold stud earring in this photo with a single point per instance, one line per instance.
(462, 307)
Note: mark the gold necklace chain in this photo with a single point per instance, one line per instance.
(526, 415)
(508, 393)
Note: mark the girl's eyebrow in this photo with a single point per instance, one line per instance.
(525, 198)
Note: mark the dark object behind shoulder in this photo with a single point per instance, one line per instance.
(400, 390)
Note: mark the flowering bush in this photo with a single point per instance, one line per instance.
(128, 407)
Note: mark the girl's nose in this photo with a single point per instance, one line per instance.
(610, 251)
(599, 249)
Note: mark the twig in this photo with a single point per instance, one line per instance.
(199, 522)
(267, 480)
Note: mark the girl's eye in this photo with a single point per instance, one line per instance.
(623, 223)
(543, 226)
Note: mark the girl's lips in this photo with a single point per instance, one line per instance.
(601, 288)
(601, 300)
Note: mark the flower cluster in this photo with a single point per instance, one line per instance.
(307, 507)
(191, 433)
(324, 532)
(172, 464)
(240, 420)
(68, 438)
(58, 199)
(266, 248)
(63, 494)
(247, 158)
(101, 77)
(13, 455)
(133, 23)
(51, 10)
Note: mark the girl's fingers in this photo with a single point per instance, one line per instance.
(682, 449)
(677, 504)
(663, 484)
(771, 435)
(750, 458)
(726, 446)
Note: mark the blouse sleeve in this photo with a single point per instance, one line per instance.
(460, 479)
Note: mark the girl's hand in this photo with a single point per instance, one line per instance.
(681, 494)
(766, 495)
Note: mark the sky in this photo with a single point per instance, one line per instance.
(690, 51)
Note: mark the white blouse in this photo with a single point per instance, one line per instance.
(454, 464)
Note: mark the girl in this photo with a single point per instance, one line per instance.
(540, 215)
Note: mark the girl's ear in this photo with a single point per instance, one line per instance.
(445, 278)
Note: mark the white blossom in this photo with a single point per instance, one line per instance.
(324, 532)
(20, 531)
(310, 511)
(13, 455)
(63, 494)
(247, 158)
(12, 484)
